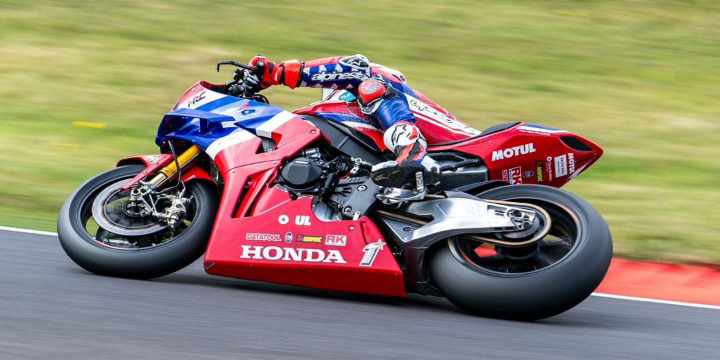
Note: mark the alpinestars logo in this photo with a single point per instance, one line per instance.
(324, 76)
(513, 151)
(277, 253)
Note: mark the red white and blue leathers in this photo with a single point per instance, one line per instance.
(381, 92)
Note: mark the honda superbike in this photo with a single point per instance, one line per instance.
(286, 197)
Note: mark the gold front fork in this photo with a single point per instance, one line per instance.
(171, 169)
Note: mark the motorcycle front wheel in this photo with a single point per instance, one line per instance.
(147, 249)
(547, 278)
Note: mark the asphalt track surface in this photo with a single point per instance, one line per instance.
(52, 309)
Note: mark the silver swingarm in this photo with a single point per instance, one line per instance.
(473, 218)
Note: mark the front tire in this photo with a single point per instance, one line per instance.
(519, 287)
(143, 263)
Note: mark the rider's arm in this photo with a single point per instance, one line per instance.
(339, 72)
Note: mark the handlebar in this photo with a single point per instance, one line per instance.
(237, 87)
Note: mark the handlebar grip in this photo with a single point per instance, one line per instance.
(259, 69)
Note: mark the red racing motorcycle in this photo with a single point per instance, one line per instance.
(286, 197)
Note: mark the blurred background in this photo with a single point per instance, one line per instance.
(85, 83)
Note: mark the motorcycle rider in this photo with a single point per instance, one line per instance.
(378, 90)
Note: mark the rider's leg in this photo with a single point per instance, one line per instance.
(401, 136)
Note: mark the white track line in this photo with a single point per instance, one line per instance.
(601, 295)
(656, 301)
(27, 231)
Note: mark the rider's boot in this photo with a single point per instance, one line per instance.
(411, 170)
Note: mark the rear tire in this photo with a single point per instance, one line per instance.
(143, 263)
(534, 294)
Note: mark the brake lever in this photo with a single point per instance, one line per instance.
(234, 63)
(232, 86)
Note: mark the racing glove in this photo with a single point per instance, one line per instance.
(287, 73)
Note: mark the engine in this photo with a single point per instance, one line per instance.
(304, 173)
(341, 186)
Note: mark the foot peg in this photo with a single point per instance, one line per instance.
(395, 196)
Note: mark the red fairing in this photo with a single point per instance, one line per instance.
(195, 90)
(261, 234)
(530, 154)
(196, 173)
(290, 138)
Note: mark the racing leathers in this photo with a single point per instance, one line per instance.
(378, 90)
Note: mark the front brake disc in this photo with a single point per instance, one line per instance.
(100, 208)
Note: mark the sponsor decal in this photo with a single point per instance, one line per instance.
(309, 239)
(513, 175)
(370, 252)
(513, 151)
(539, 171)
(300, 220)
(561, 166)
(528, 174)
(334, 76)
(288, 237)
(277, 253)
(262, 237)
(549, 167)
(335, 240)
(571, 163)
(196, 99)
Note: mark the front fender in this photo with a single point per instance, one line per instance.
(153, 163)
(157, 160)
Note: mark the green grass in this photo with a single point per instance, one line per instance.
(639, 77)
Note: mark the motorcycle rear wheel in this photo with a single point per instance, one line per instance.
(171, 252)
(537, 282)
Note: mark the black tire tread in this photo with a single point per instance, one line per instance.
(139, 264)
(535, 295)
